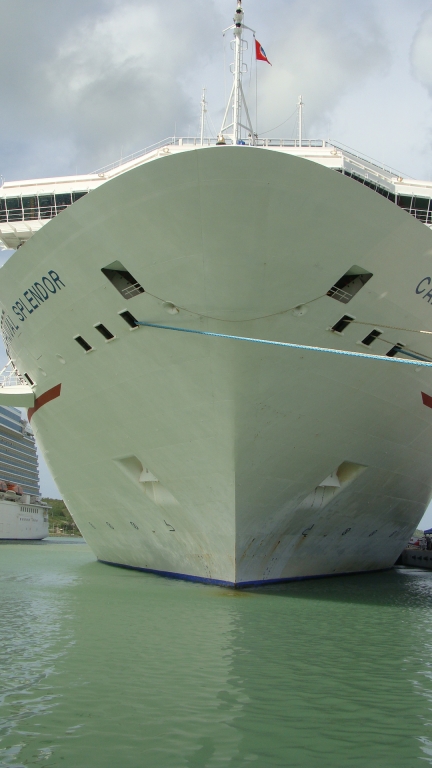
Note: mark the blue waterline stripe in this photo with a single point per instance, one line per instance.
(238, 584)
(383, 358)
(171, 575)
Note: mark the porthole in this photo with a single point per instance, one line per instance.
(394, 350)
(129, 319)
(341, 324)
(104, 331)
(83, 343)
(370, 338)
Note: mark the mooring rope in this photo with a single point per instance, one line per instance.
(305, 347)
(391, 327)
(284, 312)
(245, 320)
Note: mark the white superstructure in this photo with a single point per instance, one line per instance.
(22, 514)
(209, 457)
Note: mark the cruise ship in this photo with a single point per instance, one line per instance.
(22, 513)
(225, 348)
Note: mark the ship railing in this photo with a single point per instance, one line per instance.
(346, 150)
(14, 215)
(340, 295)
(9, 377)
(10, 215)
(132, 290)
(195, 141)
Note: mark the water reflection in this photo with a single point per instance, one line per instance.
(34, 636)
(106, 667)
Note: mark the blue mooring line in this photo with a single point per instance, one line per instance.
(417, 363)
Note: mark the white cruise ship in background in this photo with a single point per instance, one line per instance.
(22, 514)
(210, 457)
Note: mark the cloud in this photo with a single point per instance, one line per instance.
(107, 78)
(421, 52)
(323, 49)
(86, 82)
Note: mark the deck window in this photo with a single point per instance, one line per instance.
(349, 284)
(404, 201)
(420, 207)
(77, 196)
(62, 201)
(30, 207)
(122, 280)
(14, 210)
(47, 206)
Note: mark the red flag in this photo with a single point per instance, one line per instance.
(260, 53)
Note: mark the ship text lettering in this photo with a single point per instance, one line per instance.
(37, 294)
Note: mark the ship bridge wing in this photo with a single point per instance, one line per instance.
(14, 390)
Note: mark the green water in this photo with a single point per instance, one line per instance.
(107, 668)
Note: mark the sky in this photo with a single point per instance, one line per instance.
(85, 83)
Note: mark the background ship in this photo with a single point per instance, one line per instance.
(22, 513)
(213, 458)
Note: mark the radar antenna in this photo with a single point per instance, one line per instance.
(237, 102)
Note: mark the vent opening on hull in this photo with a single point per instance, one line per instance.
(370, 338)
(394, 350)
(104, 331)
(331, 486)
(133, 468)
(341, 324)
(29, 379)
(349, 284)
(122, 280)
(83, 343)
(129, 319)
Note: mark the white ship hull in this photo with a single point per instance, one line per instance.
(236, 437)
(19, 521)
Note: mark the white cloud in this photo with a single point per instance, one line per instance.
(114, 76)
(87, 81)
(323, 49)
(421, 52)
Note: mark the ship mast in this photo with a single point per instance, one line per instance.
(237, 102)
(300, 105)
(203, 114)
